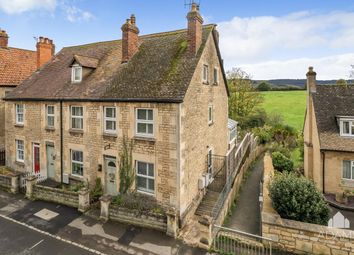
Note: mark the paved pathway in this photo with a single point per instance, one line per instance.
(246, 215)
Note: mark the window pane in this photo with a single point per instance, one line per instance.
(110, 112)
(142, 168)
(142, 114)
(50, 109)
(352, 128)
(77, 111)
(142, 128)
(150, 115)
(151, 186)
(110, 125)
(77, 169)
(77, 156)
(151, 170)
(77, 72)
(50, 121)
(142, 183)
(346, 129)
(150, 129)
(346, 169)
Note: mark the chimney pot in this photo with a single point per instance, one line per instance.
(4, 39)
(130, 39)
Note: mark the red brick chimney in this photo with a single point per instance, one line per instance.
(4, 39)
(195, 29)
(130, 40)
(45, 51)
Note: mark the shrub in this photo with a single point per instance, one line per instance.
(139, 202)
(263, 133)
(296, 198)
(256, 119)
(281, 162)
(97, 191)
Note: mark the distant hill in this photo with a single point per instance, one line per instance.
(300, 83)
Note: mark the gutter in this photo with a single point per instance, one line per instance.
(61, 143)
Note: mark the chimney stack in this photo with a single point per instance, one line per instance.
(195, 30)
(4, 39)
(311, 80)
(45, 51)
(130, 39)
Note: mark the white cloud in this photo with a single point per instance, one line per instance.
(327, 68)
(20, 6)
(74, 14)
(270, 42)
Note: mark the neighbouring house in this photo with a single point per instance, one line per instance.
(329, 136)
(166, 93)
(16, 65)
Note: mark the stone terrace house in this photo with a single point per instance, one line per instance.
(329, 136)
(15, 66)
(165, 92)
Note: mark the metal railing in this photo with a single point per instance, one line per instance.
(235, 160)
(231, 241)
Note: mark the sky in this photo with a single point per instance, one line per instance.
(270, 39)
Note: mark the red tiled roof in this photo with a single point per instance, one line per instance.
(16, 65)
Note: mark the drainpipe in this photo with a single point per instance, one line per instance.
(61, 142)
(323, 171)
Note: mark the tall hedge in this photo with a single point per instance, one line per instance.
(296, 198)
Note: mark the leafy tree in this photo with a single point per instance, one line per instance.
(281, 162)
(244, 98)
(342, 82)
(126, 167)
(264, 86)
(296, 198)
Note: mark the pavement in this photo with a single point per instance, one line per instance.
(24, 224)
(246, 216)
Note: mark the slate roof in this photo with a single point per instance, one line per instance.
(16, 65)
(160, 71)
(331, 102)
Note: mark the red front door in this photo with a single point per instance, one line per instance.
(36, 158)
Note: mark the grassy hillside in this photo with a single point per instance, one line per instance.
(290, 104)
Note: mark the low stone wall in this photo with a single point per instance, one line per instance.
(59, 196)
(299, 237)
(150, 220)
(10, 182)
(5, 182)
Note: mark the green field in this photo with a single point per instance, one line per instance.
(290, 104)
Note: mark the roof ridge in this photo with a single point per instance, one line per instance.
(142, 36)
(15, 48)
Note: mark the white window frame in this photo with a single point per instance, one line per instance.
(216, 78)
(75, 68)
(50, 115)
(72, 161)
(351, 127)
(140, 121)
(210, 112)
(76, 117)
(147, 176)
(351, 170)
(18, 113)
(205, 73)
(105, 119)
(18, 159)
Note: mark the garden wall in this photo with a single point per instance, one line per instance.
(5, 182)
(59, 196)
(148, 220)
(299, 237)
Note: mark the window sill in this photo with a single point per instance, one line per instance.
(145, 193)
(143, 138)
(76, 131)
(215, 83)
(211, 123)
(19, 125)
(19, 163)
(50, 128)
(76, 177)
(205, 82)
(110, 135)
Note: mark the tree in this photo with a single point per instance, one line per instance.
(264, 86)
(126, 167)
(342, 82)
(244, 97)
(296, 198)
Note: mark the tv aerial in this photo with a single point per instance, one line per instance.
(189, 3)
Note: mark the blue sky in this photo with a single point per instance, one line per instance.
(269, 39)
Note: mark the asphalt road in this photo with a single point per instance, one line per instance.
(16, 239)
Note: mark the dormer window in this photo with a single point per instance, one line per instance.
(347, 127)
(76, 73)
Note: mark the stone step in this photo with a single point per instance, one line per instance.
(207, 204)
